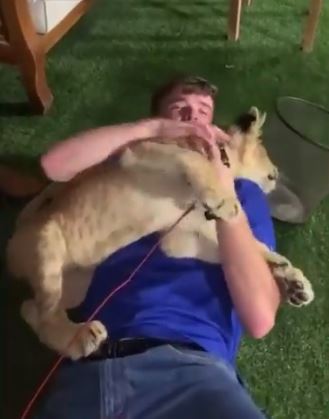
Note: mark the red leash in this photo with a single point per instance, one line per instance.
(97, 310)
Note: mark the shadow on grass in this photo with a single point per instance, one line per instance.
(23, 360)
(15, 109)
(22, 162)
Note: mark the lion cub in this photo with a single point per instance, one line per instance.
(109, 206)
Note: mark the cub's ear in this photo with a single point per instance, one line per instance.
(250, 122)
(247, 129)
(244, 122)
(253, 120)
(260, 116)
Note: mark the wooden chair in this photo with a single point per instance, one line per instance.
(234, 19)
(309, 33)
(23, 46)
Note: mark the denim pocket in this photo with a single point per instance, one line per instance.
(202, 358)
(193, 355)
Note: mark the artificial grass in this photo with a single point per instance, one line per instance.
(103, 72)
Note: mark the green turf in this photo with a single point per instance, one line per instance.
(103, 72)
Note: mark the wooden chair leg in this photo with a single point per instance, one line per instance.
(34, 78)
(30, 57)
(234, 20)
(311, 25)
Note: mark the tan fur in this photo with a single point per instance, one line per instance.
(114, 204)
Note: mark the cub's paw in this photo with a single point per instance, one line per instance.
(73, 340)
(88, 338)
(297, 289)
(219, 208)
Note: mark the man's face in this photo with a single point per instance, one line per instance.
(182, 106)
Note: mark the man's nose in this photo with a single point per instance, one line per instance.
(186, 113)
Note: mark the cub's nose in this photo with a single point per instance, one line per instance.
(274, 175)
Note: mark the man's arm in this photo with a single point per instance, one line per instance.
(253, 289)
(70, 157)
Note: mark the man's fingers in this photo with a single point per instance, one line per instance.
(214, 150)
(212, 132)
(204, 132)
(196, 145)
(222, 136)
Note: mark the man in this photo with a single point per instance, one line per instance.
(175, 329)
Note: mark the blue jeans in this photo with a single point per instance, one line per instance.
(161, 383)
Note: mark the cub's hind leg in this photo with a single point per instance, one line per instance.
(74, 340)
(296, 289)
(43, 263)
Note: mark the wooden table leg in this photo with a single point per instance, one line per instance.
(311, 25)
(234, 20)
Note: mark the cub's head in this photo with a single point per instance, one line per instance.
(248, 156)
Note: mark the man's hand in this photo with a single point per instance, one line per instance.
(171, 129)
(187, 134)
(225, 174)
(202, 138)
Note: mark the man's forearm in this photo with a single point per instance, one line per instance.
(69, 157)
(252, 287)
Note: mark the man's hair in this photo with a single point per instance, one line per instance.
(188, 84)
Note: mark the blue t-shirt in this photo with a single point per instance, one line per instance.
(175, 299)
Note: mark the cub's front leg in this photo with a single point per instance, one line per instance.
(295, 287)
(218, 202)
